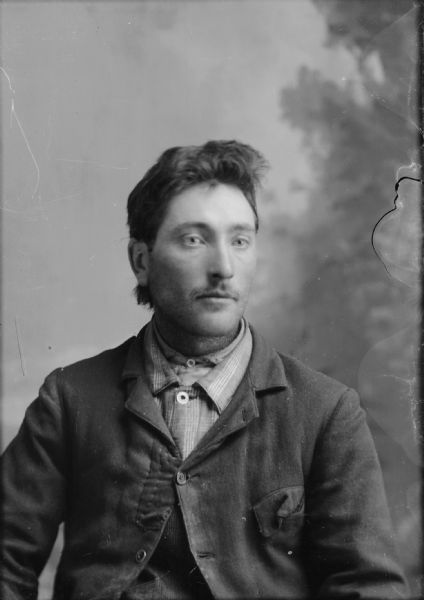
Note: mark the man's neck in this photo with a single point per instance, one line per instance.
(188, 344)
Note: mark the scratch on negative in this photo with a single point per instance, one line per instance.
(14, 115)
(21, 356)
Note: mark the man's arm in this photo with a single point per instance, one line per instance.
(34, 489)
(350, 546)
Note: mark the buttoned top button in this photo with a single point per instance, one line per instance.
(140, 555)
(181, 478)
(191, 362)
(182, 397)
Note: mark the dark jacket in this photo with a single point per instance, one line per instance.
(283, 497)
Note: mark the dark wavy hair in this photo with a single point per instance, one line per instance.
(181, 167)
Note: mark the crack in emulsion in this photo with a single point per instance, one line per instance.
(14, 116)
(396, 204)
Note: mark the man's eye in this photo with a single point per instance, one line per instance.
(241, 242)
(192, 240)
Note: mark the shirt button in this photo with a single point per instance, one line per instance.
(182, 397)
(140, 556)
(191, 362)
(181, 478)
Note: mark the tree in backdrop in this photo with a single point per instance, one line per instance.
(357, 133)
(355, 144)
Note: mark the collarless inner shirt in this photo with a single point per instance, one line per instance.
(192, 392)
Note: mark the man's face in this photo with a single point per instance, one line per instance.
(203, 260)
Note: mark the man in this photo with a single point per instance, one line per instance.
(193, 461)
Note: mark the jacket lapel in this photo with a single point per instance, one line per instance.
(141, 403)
(265, 373)
(139, 397)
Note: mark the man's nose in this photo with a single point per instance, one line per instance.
(221, 262)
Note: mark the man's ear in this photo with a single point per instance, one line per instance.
(138, 254)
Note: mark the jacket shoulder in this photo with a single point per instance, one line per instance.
(317, 401)
(300, 374)
(313, 393)
(102, 370)
(304, 386)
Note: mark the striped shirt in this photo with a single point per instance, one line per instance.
(192, 392)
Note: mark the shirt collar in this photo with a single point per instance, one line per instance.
(265, 370)
(226, 371)
(157, 369)
(222, 381)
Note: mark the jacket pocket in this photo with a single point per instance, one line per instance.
(280, 514)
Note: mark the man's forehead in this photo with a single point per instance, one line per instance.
(203, 197)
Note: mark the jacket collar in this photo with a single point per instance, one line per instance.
(139, 399)
(133, 362)
(266, 369)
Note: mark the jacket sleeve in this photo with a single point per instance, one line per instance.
(34, 491)
(350, 545)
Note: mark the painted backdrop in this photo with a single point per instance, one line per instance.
(93, 92)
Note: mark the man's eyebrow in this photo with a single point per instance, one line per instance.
(248, 227)
(243, 227)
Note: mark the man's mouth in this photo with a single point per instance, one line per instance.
(218, 296)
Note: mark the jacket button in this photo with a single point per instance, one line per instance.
(181, 478)
(140, 556)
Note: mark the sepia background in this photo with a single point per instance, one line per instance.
(93, 92)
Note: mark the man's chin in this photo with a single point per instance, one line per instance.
(216, 325)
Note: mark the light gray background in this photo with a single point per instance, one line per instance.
(92, 94)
